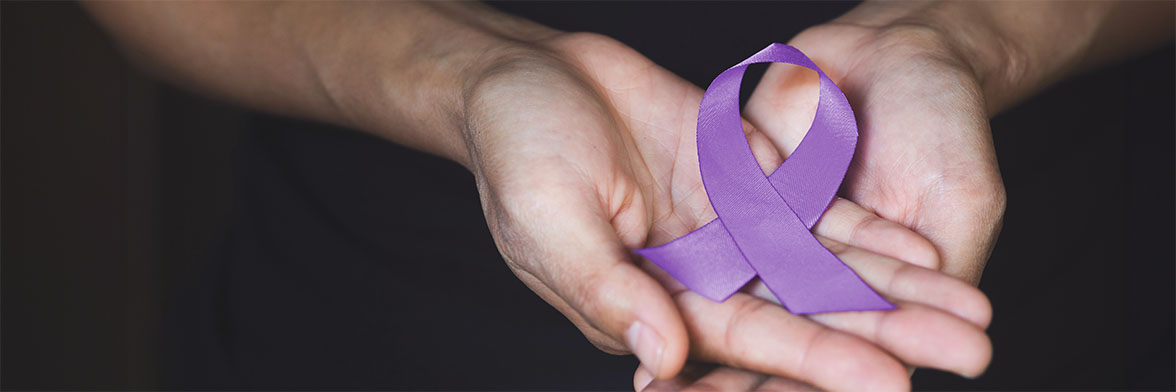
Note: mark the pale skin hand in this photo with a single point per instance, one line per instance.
(923, 79)
(925, 156)
(589, 151)
(582, 150)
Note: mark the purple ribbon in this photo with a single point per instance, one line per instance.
(764, 221)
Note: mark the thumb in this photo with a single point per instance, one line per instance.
(572, 257)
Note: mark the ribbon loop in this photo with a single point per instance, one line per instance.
(764, 221)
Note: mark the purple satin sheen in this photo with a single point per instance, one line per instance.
(764, 221)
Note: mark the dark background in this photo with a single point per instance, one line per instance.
(153, 239)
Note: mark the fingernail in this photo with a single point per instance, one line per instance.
(646, 344)
(642, 379)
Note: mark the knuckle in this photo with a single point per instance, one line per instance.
(601, 340)
(592, 294)
(746, 311)
(805, 362)
(855, 232)
(601, 298)
(926, 252)
(980, 308)
(900, 281)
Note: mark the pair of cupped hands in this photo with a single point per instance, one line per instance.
(583, 150)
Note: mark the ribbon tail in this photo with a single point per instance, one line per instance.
(807, 278)
(706, 261)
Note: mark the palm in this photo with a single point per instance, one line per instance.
(657, 112)
(577, 165)
(640, 156)
(925, 157)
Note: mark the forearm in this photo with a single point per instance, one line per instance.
(394, 69)
(1017, 48)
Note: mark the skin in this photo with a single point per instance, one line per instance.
(583, 149)
(618, 135)
(924, 78)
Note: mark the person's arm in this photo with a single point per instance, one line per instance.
(1018, 48)
(924, 77)
(581, 149)
(394, 69)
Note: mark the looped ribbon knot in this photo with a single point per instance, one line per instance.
(764, 221)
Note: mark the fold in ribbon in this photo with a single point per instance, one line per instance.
(764, 221)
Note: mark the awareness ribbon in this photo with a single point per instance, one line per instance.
(764, 221)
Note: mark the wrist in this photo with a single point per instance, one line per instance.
(1013, 49)
(405, 83)
(960, 34)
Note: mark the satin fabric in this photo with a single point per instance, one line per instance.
(763, 222)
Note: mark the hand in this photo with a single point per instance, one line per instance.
(704, 377)
(923, 78)
(583, 149)
(911, 334)
(925, 156)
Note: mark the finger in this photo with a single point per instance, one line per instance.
(641, 378)
(849, 223)
(775, 125)
(690, 372)
(572, 257)
(750, 333)
(767, 155)
(965, 225)
(907, 282)
(727, 379)
(784, 104)
(919, 335)
(780, 384)
(916, 333)
(781, 113)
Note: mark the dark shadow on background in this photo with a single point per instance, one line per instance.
(154, 239)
